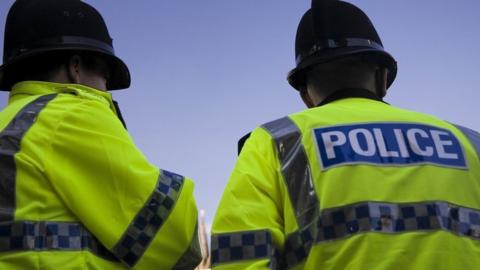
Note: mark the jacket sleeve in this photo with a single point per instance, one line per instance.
(248, 229)
(145, 216)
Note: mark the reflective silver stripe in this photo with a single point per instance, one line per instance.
(243, 246)
(297, 175)
(48, 236)
(473, 136)
(192, 256)
(295, 169)
(149, 219)
(390, 218)
(10, 139)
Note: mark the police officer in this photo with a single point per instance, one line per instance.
(75, 192)
(352, 182)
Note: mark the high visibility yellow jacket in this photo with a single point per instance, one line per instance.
(75, 192)
(353, 184)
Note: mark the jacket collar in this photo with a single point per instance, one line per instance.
(32, 88)
(44, 88)
(350, 93)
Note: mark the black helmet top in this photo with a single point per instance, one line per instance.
(38, 27)
(332, 29)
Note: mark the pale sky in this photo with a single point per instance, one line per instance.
(204, 73)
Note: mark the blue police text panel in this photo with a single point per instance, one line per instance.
(388, 144)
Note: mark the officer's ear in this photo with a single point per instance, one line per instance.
(306, 98)
(73, 69)
(381, 75)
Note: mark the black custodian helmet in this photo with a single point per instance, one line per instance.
(38, 27)
(333, 29)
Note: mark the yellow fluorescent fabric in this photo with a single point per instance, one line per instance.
(77, 163)
(55, 260)
(256, 197)
(408, 251)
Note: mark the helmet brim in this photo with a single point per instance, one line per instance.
(297, 77)
(119, 72)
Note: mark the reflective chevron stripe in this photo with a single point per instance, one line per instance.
(149, 219)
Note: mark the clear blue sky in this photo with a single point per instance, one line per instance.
(207, 72)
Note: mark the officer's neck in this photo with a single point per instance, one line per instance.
(78, 75)
(321, 88)
(349, 93)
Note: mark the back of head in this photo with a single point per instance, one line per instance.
(37, 30)
(332, 30)
(351, 72)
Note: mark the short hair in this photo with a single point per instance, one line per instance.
(347, 70)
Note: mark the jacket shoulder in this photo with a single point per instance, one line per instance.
(472, 135)
(283, 126)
